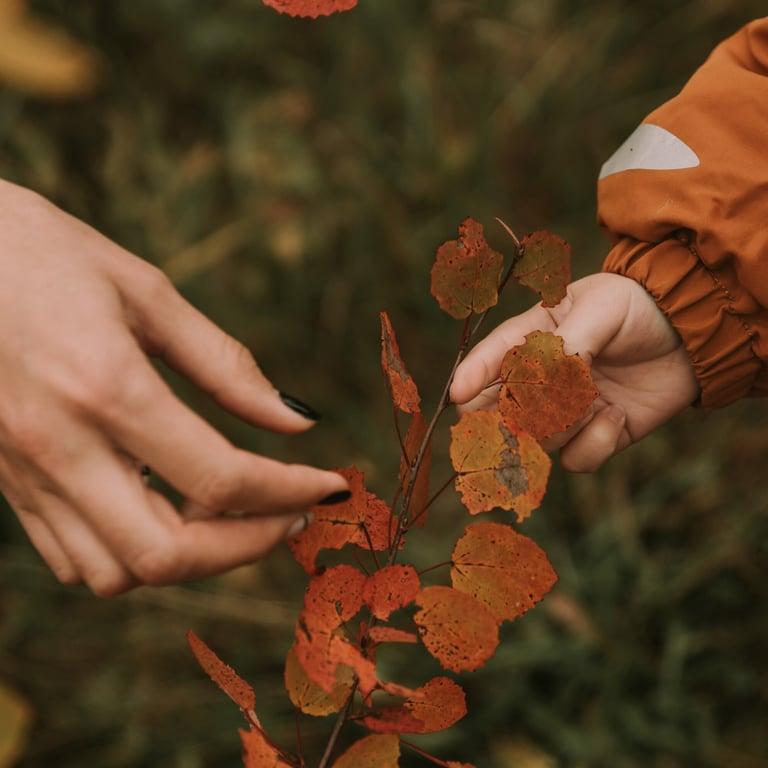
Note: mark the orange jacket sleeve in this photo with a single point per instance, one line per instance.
(685, 200)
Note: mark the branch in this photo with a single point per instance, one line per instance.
(337, 726)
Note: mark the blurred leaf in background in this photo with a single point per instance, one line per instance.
(15, 719)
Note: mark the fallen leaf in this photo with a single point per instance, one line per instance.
(309, 697)
(545, 266)
(434, 707)
(497, 465)
(458, 630)
(222, 674)
(377, 751)
(402, 387)
(417, 429)
(543, 390)
(333, 597)
(506, 571)
(258, 752)
(310, 9)
(390, 588)
(466, 273)
(364, 520)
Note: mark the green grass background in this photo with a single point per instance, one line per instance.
(294, 178)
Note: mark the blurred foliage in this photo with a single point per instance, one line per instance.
(294, 178)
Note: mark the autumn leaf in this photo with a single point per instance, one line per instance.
(309, 697)
(543, 390)
(458, 630)
(380, 634)
(364, 520)
(377, 751)
(310, 9)
(390, 588)
(417, 429)
(497, 465)
(333, 597)
(466, 273)
(402, 387)
(258, 752)
(42, 60)
(504, 570)
(434, 707)
(222, 674)
(545, 266)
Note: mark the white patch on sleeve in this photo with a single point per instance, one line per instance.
(650, 148)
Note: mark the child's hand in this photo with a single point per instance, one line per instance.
(638, 363)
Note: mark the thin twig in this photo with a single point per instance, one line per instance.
(370, 544)
(337, 726)
(435, 567)
(435, 497)
(419, 751)
(299, 743)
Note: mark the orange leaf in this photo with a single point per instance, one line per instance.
(545, 266)
(506, 571)
(309, 697)
(434, 707)
(258, 752)
(417, 429)
(390, 588)
(333, 597)
(466, 272)
(459, 631)
(391, 635)
(544, 391)
(222, 674)
(310, 9)
(377, 751)
(405, 395)
(362, 517)
(497, 465)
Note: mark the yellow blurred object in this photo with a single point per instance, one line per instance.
(15, 719)
(39, 59)
(521, 754)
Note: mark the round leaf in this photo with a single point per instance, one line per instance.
(378, 751)
(310, 9)
(309, 697)
(545, 266)
(390, 588)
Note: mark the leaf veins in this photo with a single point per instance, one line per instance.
(497, 465)
(506, 571)
(402, 387)
(466, 273)
(545, 266)
(543, 390)
(390, 588)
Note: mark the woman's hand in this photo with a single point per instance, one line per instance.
(81, 409)
(638, 363)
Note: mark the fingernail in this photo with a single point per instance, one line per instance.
(615, 414)
(307, 411)
(338, 497)
(299, 525)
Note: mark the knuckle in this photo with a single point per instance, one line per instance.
(156, 566)
(220, 490)
(238, 356)
(30, 438)
(156, 284)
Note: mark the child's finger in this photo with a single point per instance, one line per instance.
(482, 364)
(597, 441)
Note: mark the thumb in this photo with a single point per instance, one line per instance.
(169, 327)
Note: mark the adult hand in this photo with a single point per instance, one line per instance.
(637, 359)
(82, 408)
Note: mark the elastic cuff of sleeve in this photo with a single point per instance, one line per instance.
(700, 308)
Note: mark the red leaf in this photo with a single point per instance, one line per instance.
(459, 631)
(391, 635)
(378, 751)
(506, 571)
(544, 391)
(497, 465)
(222, 674)
(362, 517)
(333, 597)
(417, 429)
(434, 707)
(466, 272)
(258, 752)
(545, 266)
(308, 696)
(311, 8)
(405, 395)
(390, 588)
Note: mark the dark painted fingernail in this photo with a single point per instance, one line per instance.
(307, 411)
(337, 497)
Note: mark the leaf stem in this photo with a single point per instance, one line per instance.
(433, 499)
(419, 751)
(435, 567)
(337, 726)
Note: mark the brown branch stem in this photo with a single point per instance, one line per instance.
(337, 726)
